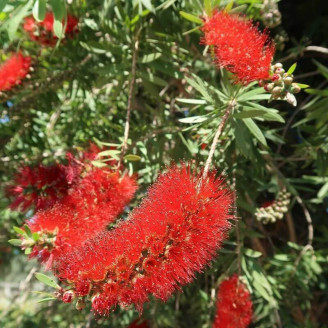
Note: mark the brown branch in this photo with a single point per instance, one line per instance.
(130, 97)
(218, 134)
(308, 220)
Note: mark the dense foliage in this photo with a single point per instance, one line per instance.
(95, 95)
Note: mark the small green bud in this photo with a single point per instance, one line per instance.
(295, 88)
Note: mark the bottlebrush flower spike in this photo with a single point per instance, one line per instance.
(173, 234)
(234, 305)
(43, 32)
(239, 46)
(13, 71)
(38, 187)
(92, 204)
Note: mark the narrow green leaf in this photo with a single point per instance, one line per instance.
(192, 30)
(3, 4)
(46, 280)
(39, 10)
(323, 191)
(208, 7)
(229, 6)
(35, 236)
(59, 9)
(98, 164)
(15, 242)
(148, 5)
(132, 158)
(151, 57)
(28, 251)
(191, 101)
(251, 253)
(27, 230)
(47, 299)
(191, 17)
(110, 152)
(200, 87)
(255, 130)
(292, 69)
(19, 231)
(250, 113)
(193, 119)
(58, 29)
(303, 86)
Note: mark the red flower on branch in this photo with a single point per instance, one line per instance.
(38, 187)
(239, 46)
(13, 71)
(43, 32)
(90, 205)
(234, 305)
(173, 234)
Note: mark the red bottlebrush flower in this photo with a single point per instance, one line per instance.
(239, 46)
(13, 71)
(234, 305)
(90, 205)
(43, 33)
(173, 234)
(38, 187)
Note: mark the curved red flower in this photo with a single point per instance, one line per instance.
(173, 234)
(39, 187)
(43, 32)
(239, 46)
(90, 205)
(13, 70)
(234, 305)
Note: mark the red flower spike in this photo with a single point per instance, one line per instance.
(39, 187)
(13, 71)
(90, 205)
(43, 32)
(234, 305)
(173, 234)
(239, 46)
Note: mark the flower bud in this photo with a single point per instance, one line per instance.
(276, 91)
(80, 304)
(288, 80)
(295, 88)
(68, 296)
(277, 65)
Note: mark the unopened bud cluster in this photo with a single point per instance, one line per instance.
(281, 85)
(276, 210)
(271, 15)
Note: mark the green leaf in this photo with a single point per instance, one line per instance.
(47, 299)
(251, 253)
(19, 231)
(28, 251)
(58, 29)
(98, 164)
(229, 6)
(323, 191)
(46, 280)
(148, 5)
(191, 17)
(35, 236)
(27, 230)
(255, 130)
(303, 86)
(111, 152)
(208, 7)
(151, 57)
(193, 119)
(191, 101)
(17, 18)
(132, 158)
(245, 113)
(200, 87)
(3, 4)
(39, 10)
(292, 69)
(15, 242)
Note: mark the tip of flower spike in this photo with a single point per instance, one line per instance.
(239, 46)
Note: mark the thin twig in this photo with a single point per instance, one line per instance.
(308, 220)
(130, 97)
(218, 134)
